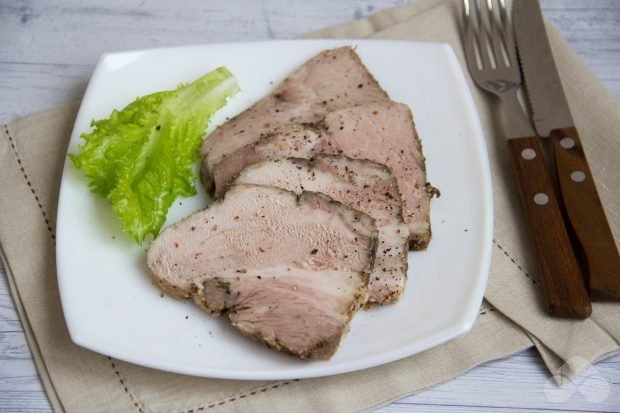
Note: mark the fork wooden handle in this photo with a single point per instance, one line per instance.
(560, 277)
(585, 214)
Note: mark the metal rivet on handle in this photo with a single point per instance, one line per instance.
(528, 154)
(567, 142)
(541, 199)
(578, 176)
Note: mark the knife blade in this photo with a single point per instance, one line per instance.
(552, 118)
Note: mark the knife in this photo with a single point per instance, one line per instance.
(582, 207)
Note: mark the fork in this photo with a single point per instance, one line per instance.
(492, 62)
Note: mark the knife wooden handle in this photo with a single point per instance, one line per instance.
(585, 214)
(560, 277)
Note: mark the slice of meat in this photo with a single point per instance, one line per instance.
(287, 269)
(292, 140)
(363, 185)
(385, 133)
(331, 80)
(382, 132)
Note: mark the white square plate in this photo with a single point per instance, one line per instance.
(112, 307)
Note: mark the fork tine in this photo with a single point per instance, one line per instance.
(508, 37)
(465, 15)
(495, 37)
(484, 29)
(483, 38)
(468, 35)
(503, 18)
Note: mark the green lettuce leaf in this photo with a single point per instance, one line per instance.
(142, 157)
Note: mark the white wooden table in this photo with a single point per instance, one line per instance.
(48, 50)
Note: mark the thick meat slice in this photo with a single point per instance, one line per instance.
(385, 133)
(331, 80)
(382, 132)
(289, 270)
(363, 185)
(292, 140)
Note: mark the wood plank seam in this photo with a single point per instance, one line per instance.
(22, 169)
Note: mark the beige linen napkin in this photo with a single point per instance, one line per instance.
(32, 152)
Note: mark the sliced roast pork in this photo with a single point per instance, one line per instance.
(331, 80)
(364, 185)
(289, 270)
(294, 140)
(382, 132)
(385, 133)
